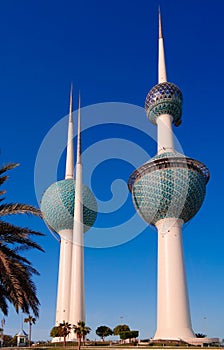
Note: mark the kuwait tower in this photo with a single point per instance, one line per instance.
(69, 208)
(168, 191)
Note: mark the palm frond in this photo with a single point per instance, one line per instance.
(16, 271)
(12, 254)
(19, 288)
(7, 229)
(18, 235)
(3, 179)
(18, 208)
(3, 303)
(7, 167)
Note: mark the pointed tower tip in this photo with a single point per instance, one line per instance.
(160, 23)
(70, 104)
(161, 59)
(69, 170)
(79, 101)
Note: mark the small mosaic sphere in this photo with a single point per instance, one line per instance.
(168, 186)
(164, 98)
(57, 206)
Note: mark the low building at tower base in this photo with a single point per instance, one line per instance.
(187, 341)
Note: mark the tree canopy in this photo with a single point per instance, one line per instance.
(81, 330)
(129, 335)
(121, 328)
(55, 332)
(63, 330)
(200, 335)
(104, 331)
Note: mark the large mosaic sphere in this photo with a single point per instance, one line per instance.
(164, 98)
(168, 186)
(57, 206)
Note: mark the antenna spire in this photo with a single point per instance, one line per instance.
(79, 159)
(160, 24)
(69, 170)
(70, 104)
(161, 59)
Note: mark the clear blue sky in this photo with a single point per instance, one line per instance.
(109, 50)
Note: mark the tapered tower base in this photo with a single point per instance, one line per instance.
(173, 315)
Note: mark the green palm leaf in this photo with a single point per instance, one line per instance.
(16, 271)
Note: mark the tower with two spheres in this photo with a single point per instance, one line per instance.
(70, 209)
(168, 191)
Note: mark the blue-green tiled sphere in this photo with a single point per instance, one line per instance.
(169, 186)
(57, 205)
(164, 98)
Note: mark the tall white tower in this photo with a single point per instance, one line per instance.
(168, 191)
(77, 297)
(69, 208)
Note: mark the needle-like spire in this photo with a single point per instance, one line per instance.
(69, 172)
(161, 60)
(70, 104)
(79, 159)
(160, 25)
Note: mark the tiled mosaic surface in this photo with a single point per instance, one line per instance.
(57, 205)
(164, 98)
(169, 185)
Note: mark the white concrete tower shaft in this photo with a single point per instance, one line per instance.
(173, 315)
(164, 122)
(77, 297)
(65, 262)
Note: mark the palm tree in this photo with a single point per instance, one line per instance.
(64, 330)
(31, 320)
(16, 271)
(81, 330)
(78, 333)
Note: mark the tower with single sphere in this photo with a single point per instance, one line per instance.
(70, 209)
(168, 191)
